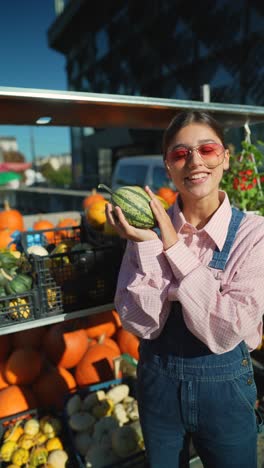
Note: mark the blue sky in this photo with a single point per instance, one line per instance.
(28, 62)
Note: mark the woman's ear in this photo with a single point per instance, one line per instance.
(226, 160)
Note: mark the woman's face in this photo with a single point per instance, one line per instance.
(191, 176)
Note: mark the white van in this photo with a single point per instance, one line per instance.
(141, 170)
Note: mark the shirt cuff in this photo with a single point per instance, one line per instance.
(150, 255)
(181, 259)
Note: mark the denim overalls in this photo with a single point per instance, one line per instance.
(185, 390)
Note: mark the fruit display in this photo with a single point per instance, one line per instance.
(30, 440)
(104, 425)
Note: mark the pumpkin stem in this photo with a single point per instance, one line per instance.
(6, 205)
(101, 339)
(103, 186)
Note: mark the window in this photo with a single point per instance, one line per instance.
(161, 179)
(132, 175)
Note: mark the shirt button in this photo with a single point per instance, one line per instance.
(244, 362)
(249, 381)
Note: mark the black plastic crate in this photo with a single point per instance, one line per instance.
(137, 460)
(85, 275)
(19, 308)
(10, 421)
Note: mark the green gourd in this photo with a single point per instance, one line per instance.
(19, 284)
(135, 205)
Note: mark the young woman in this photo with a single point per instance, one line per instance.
(194, 294)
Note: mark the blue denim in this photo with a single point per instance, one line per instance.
(186, 391)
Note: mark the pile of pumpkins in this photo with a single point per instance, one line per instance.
(94, 207)
(39, 366)
(12, 220)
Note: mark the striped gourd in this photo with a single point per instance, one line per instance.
(134, 203)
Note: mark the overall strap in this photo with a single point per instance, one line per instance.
(220, 256)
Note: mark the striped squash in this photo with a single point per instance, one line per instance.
(134, 203)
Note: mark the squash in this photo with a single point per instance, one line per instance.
(81, 421)
(96, 365)
(104, 323)
(23, 366)
(90, 199)
(57, 458)
(167, 194)
(3, 381)
(15, 399)
(6, 239)
(52, 385)
(43, 224)
(95, 215)
(11, 219)
(20, 284)
(37, 250)
(128, 343)
(64, 345)
(66, 223)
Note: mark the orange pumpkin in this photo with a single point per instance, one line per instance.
(31, 337)
(128, 343)
(3, 382)
(23, 366)
(5, 347)
(11, 219)
(96, 365)
(52, 385)
(43, 224)
(14, 399)
(94, 196)
(66, 223)
(95, 215)
(104, 323)
(64, 345)
(6, 239)
(167, 194)
(109, 342)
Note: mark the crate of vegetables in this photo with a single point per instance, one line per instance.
(34, 438)
(83, 267)
(18, 296)
(102, 421)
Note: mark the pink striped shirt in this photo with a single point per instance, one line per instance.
(151, 278)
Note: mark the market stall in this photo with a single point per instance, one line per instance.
(58, 283)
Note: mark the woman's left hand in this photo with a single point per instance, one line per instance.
(169, 236)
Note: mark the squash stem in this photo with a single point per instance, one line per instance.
(103, 186)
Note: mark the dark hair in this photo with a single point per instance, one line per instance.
(185, 118)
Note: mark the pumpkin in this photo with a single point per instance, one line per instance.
(64, 345)
(11, 219)
(6, 241)
(95, 215)
(167, 194)
(3, 382)
(66, 223)
(5, 346)
(128, 343)
(96, 365)
(104, 323)
(109, 342)
(90, 199)
(31, 337)
(43, 224)
(23, 366)
(52, 385)
(15, 399)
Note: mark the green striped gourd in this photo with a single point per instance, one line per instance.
(134, 203)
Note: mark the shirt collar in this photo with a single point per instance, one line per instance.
(216, 227)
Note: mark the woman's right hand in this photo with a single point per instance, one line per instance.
(118, 221)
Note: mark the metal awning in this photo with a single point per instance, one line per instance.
(24, 106)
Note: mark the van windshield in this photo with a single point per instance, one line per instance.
(132, 175)
(160, 178)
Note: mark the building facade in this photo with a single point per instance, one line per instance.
(156, 48)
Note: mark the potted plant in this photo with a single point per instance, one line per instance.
(244, 181)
